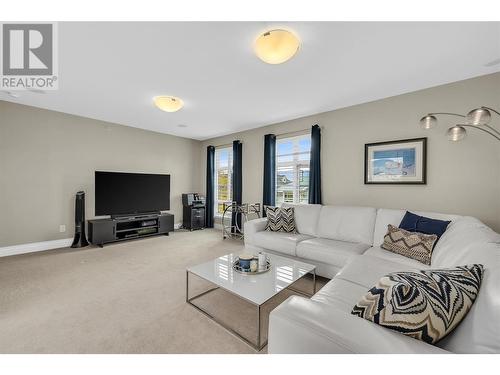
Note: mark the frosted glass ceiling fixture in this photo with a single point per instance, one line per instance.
(478, 118)
(168, 103)
(276, 46)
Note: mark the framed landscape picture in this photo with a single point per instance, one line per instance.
(396, 162)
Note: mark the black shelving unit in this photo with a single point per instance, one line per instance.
(102, 231)
(193, 217)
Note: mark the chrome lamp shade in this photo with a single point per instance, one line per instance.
(478, 118)
(456, 133)
(428, 122)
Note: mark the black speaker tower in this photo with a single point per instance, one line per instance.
(80, 239)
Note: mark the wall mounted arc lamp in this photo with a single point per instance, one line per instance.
(478, 118)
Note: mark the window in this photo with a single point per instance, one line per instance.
(223, 178)
(292, 169)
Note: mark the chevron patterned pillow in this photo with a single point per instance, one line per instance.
(280, 219)
(426, 305)
(413, 245)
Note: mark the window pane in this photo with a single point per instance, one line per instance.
(304, 176)
(284, 151)
(285, 176)
(223, 178)
(222, 186)
(280, 197)
(292, 169)
(305, 149)
(304, 196)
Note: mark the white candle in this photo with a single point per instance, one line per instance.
(262, 260)
(254, 265)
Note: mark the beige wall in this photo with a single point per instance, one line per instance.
(46, 157)
(463, 177)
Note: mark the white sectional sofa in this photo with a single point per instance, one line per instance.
(344, 243)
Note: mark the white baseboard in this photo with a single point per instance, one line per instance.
(42, 246)
(34, 247)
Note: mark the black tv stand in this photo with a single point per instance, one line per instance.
(114, 229)
(135, 216)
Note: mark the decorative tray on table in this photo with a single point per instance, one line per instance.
(246, 271)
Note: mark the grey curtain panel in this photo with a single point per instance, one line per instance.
(315, 166)
(269, 188)
(237, 180)
(209, 199)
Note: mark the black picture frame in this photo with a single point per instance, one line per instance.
(423, 162)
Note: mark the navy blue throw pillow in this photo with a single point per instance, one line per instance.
(422, 224)
(409, 222)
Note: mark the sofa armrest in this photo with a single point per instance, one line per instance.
(253, 226)
(300, 325)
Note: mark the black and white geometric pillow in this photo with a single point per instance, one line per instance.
(280, 219)
(426, 305)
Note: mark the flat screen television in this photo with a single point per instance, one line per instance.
(118, 193)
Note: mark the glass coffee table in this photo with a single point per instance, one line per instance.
(255, 289)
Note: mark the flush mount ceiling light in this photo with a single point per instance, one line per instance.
(276, 46)
(168, 103)
(478, 118)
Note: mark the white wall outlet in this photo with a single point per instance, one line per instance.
(62, 228)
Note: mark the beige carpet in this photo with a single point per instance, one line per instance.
(125, 298)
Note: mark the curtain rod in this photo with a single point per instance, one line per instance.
(295, 132)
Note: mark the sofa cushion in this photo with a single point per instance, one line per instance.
(359, 275)
(300, 325)
(306, 217)
(479, 332)
(280, 219)
(460, 239)
(387, 216)
(425, 305)
(344, 223)
(279, 241)
(332, 252)
(472, 335)
(366, 270)
(412, 245)
(385, 255)
(341, 294)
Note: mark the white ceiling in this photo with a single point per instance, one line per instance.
(111, 71)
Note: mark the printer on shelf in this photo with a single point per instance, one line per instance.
(193, 200)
